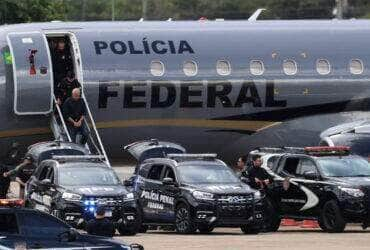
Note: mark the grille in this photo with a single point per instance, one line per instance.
(106, 201)
(234, 206)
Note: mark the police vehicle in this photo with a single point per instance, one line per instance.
(191, 191)
(22, 228)
(72, 186)
(324, 183)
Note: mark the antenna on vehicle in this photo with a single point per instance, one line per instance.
(255, 15)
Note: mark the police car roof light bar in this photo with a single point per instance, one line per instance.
(281, 150)
(327, 150)
(192, 156)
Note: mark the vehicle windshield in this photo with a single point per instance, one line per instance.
(344, 166)
(77, 176)
(207, 174)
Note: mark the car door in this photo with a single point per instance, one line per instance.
(288, 191)
(38, 189)
(168, 194)
(10, 235)
(309, 179)
(150, 193)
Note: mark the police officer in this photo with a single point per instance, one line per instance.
(258, 177)
(66, 87)
(4, 182)
(100, 226)
(240, 168)
(23, 173)
(62, 61)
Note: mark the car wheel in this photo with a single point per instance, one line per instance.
(127, 231)
(184, 222)
(331, 218)
(271, 217)
(205, 229)
(247, 229)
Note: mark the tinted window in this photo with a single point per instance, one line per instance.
(208, 174)
(44, 172)
(43, 225)
(307, 165)
(291, 166)
(169, 173)
(155, 172)
(8, 224)
(272, 161)
(344, 167)
(84, 176)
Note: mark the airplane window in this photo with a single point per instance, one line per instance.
(356, 67)
(157, 68)
(323, 67)
(190, 68)
(256, 67)
(290, 67)
(223, 68)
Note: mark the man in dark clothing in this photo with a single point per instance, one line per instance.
(258, 177)
(66, 86)
(74, 112)
(62, 62)
(240, 168)
(100, 225)
(4, 182)
(23, 173)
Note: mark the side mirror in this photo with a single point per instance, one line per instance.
(168, 181)
(46, 182)
(135, 246)
(128, 183)
(311, 175)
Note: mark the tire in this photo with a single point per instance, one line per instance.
(271, 217)
(183, 222)
(246, 229)
(331, 218)
(127, 231)
(205, 229)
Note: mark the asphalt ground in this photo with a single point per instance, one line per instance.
(233, 239)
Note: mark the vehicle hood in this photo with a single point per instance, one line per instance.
(351, 181)
(235, 188)
(98, 190)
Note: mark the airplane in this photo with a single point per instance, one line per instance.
(213, 86)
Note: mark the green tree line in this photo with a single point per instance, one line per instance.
(19, 11)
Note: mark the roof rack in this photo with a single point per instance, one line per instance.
(208, 156)
(72, 158)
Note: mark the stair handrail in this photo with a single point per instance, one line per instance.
(62, 119)
(95, 130)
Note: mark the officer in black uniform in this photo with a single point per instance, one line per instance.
(100, 226)
(23, 173)
(62, 62)
(258, 177)
(4, 182)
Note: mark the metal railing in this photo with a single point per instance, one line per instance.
(61, 119)
(94, 137)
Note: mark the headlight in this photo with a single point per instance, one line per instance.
(199, 195)
(129, 197)
(257, 195)
(355, 192)
(71, 196)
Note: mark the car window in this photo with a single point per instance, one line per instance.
(272, 161)
(50, 175)
(291, 166)
(307, 165)
(169, 173)
(36, 225)
(8, 224)
(155, 172)
(43, 173)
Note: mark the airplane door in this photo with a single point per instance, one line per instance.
(32, 73)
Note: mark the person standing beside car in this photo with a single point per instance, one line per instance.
(258, 176)
(23, 173)
(100, 226)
